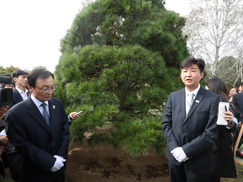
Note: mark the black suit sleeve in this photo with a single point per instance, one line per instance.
(167, 125)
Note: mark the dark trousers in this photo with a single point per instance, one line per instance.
(214, 179)
(179, 173)
(14, 162)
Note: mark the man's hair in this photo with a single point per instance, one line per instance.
(38, 73)
(241, 84)
(191, 60)
(18, 72)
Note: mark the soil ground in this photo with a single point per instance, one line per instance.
(105, 164)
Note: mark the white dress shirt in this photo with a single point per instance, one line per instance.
(23, 93)
(38, 104)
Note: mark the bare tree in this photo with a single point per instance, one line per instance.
(214, 30)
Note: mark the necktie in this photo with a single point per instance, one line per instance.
(45, 114)
(190, 101)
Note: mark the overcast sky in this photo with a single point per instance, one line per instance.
(31, 30)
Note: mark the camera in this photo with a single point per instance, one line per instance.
(6, 94)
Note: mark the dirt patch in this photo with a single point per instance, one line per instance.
(105, 164)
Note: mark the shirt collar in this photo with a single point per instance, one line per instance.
(21, 91)
(194, 91)
(37, 102)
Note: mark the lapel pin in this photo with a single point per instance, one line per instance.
(53, 106)
(197, 101)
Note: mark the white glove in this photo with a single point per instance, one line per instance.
(179, 154)
(60, 158)
(3, 133)
(59, 163)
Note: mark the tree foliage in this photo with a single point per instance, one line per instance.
(228, 71)
(118, 66)
(121, 22)
(7, 70)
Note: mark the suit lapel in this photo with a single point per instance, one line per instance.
(37, 116)
(196, 102)
(52, 111)
(18, 97)
(182, 102)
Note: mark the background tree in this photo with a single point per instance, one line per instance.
(7, 70)
(118, 66)
(38, 67)
(228, 71)
(214, 30)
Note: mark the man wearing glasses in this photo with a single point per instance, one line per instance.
(38, 127)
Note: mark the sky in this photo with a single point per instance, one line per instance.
(179, 6)
(31, 30)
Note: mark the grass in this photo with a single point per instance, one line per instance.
(7, 178)
(239, 178)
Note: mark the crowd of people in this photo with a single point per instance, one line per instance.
(34, 142)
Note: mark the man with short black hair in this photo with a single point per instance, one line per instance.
(20, 92)
(39, 128)
(189, 126)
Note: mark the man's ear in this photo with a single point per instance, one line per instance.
(202, 74)
(15, 79)
(30, 88)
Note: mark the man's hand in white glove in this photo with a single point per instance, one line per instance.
(59, 163)
(60, 158)
(179, 154)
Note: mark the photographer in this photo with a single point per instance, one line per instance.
(3, 139)
(6, 98)
(3, 110)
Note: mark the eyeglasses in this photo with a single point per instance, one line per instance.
(46, 90)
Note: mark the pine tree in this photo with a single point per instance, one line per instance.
(117, 66)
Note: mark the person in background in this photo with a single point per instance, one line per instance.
(241, 87)
(232, 92)
(11, 157)
(223, 153)
(189, 126)
(237, 101)
(20, 92)
(73, 115)
(11, 85)
(39, 129)
(3, 139)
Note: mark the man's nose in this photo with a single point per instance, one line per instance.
(188, 73)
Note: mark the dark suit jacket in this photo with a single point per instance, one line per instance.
(196, 132)
(16, 97)
(238, 102)
(37, 142)
(223, 153)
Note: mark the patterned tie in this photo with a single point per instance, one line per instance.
(190, 101)
(45, 114)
